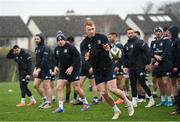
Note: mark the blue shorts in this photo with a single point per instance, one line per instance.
(104, 75)
(45, 74)
(70, 78)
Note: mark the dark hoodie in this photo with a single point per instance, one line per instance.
(175, 46)
(23, 60)
(43, 53)
(136, 54)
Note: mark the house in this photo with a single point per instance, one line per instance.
(14, 31)
(72, 25)
(146, 23)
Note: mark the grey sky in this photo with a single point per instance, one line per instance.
(26, 8)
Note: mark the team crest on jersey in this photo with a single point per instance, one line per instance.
(17, 57)
(141, 74)
(154, 45)
(99, 42)
(167, 73)
(131, 46)
(114, 76)
(161, 44)
(65, 50)
(57, 52)
(127, 48)
(77, 78)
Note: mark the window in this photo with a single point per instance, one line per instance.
(67, 18)
(167, 18)
(160, 18)
(88, 18)
(154, 19)
(140, 18)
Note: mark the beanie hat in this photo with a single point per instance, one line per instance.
(60, 36)
(158, 28)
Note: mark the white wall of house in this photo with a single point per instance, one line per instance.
(77, 42)
(133, 25)
(123, 39)
(23, 42)
(34, 30)
(51, 42)
(150, 39)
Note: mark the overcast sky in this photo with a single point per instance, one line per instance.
(26, 8)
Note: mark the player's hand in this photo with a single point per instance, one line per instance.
(27, 77)
(175, 69)
(116, 69)
(53, 73)
(69, 70)
(56, 70)
(87, 56)
(159, 58)
(90, 70)
(106, 47)
(36, 73)
(156, 64)
(148, 67)
(126, 70)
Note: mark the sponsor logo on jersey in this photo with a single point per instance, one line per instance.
(99, 42)
(65, 50)
(131, 46)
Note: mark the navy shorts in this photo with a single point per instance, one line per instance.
(175, 74)
(104, 75)
(87, 74)
(158, 73)
(45, 74)
(70, 78)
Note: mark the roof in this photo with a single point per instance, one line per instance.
(73, 24)
(13, 26)
(147, 22)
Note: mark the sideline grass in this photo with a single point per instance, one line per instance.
(101, 112)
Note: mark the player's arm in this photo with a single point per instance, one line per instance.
(10, 54)
(29, 65)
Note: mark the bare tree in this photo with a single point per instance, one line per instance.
(148, 7)
(172, 8)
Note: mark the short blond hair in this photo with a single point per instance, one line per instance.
(89, 23)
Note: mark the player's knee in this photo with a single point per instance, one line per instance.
(76, 89)
(46, 87)
(103, 93)
(36, 86)
(113, 90)
(60, 88)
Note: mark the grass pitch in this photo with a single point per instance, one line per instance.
(100, 112)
